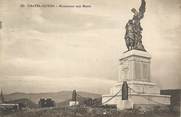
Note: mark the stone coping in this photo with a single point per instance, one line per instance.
(136, 82)
(134, 94)
(135, 53)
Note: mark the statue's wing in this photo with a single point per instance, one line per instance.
(142, 9)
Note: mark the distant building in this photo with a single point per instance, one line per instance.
(175, 99)
(7, 107)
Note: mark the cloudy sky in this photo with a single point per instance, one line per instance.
(54, 49)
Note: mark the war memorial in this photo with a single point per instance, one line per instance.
(134, 85)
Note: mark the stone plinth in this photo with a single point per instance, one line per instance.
(135, 65)
(73, 103)
(135, 69)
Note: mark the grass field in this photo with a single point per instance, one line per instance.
(88, 112)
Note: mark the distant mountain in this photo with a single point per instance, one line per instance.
(57, 96)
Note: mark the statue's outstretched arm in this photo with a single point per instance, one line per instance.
(142, 9)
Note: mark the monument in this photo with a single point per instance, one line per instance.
(74, 101)
(134, 71)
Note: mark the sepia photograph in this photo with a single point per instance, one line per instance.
(90, 58)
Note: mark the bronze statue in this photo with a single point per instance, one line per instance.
(133, 36)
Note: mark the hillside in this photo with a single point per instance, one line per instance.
(57, 96)
(26, 102)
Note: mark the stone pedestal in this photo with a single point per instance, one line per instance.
(125, 104)
(135, 69)
(73, 103)
(135, 66)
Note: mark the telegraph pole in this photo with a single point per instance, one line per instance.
(2, 96)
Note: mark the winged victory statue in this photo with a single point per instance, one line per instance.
(133, 36)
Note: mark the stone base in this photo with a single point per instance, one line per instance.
(73, 103)
(125, 104)
(139, 93)
(136, 99)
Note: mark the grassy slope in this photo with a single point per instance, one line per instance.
(60, 112)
